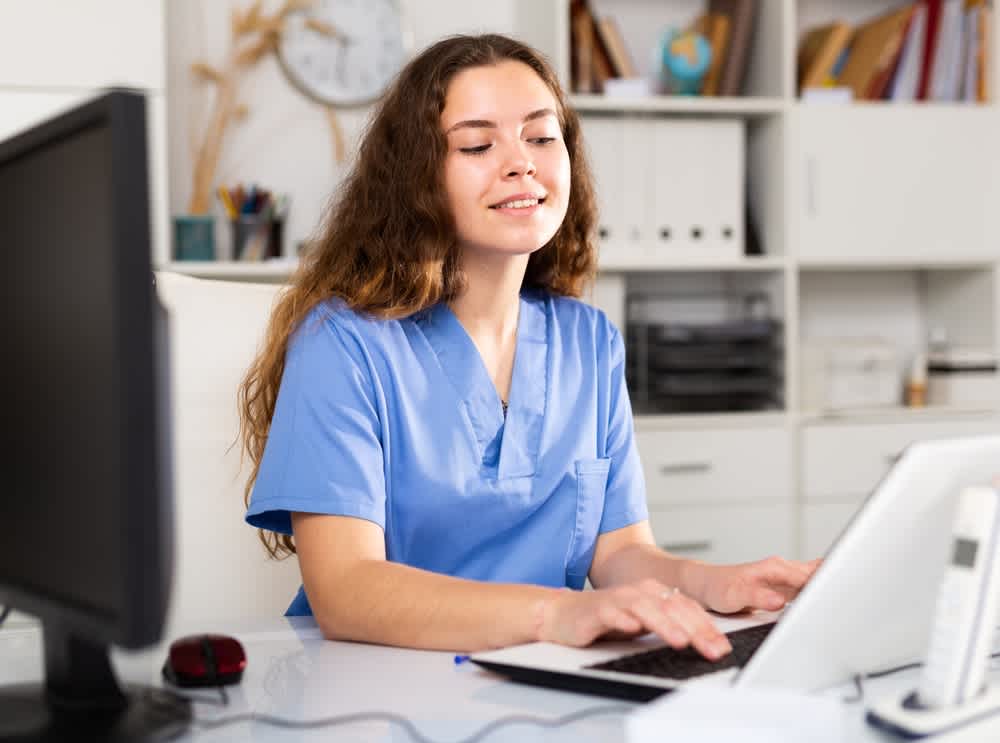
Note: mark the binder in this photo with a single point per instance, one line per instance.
(668, 191)
(604, 137)
(698, 168)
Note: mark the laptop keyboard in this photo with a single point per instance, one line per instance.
(667, 662)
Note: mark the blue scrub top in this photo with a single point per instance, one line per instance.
(399, 423)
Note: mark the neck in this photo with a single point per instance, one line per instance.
(488, 308)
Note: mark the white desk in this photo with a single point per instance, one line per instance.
(293, 673)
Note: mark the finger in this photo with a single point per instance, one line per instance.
(767, 598)
(655, 619)
(692, 618)
(780, 572)
(705, 636)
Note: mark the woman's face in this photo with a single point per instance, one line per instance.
(507, 171)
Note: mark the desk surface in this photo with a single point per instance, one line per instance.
(293, 673)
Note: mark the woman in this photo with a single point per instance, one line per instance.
(445, 431)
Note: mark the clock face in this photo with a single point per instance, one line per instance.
(343, 52)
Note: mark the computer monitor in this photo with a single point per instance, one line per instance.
(87, 518)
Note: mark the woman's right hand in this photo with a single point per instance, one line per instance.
(578, 618)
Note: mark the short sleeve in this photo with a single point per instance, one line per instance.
(324, 452)
(625, 496)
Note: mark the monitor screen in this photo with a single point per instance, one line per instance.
(87, 514)
(64, 407)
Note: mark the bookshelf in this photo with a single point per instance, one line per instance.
(876, 219)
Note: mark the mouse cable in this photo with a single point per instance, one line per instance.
(406, 724)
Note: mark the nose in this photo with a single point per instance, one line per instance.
(518, 163)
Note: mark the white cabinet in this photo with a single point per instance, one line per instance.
(848, 460)
(822, 523)
(736, 533)
(715, 466)
(898, 182)
(843, 463)
(720, 495)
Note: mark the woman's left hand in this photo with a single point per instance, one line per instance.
(766, 584)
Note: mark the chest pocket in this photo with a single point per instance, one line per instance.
(591, 484)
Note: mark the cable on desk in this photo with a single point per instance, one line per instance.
(860, 678)
(407, 725)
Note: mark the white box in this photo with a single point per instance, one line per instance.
(849, 373)
(963, 388)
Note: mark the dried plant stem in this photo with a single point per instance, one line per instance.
(339, 147)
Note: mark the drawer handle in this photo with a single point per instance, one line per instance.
(703, 546)
(685, 468)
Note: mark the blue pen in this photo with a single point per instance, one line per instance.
(250, 201)
(460, 659)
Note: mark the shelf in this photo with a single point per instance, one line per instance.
(678, 104)
(929, 414)
(747, 263)
(268, 270)
(895, 264)
(649, 422)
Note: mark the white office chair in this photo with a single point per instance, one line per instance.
(221, 571)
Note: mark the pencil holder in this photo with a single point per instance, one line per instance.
(256, 237)
(194, 237)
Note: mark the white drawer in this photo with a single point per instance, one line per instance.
(715, 466)
(725, 534)
(822, 523)
(847, 461)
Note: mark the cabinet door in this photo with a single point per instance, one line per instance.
(821, 524)
(725, 534)
(899, 182)
(715, 466)
(846, 461)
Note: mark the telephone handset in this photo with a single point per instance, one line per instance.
(965, 617)
(952, 690)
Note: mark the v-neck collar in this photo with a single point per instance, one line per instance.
(462, 364)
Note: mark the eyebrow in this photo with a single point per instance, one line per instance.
(485, 124)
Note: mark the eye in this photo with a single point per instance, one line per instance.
(542, 140)
(475, 150)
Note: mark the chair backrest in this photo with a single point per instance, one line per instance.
(221, 571)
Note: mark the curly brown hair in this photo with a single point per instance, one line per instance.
(387, 247)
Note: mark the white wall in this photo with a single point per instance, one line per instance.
(54, 54)
(285, 143)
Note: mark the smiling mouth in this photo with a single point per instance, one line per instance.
(519, 203)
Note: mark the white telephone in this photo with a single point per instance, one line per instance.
(952, 691)
(966, 614)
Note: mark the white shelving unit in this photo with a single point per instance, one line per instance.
(875, 219)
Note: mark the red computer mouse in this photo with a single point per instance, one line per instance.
(205, 660)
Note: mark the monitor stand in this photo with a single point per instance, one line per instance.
(81, 700)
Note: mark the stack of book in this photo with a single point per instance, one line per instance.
(599, 52)
(929, 50)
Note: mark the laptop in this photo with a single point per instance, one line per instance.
(869, 607)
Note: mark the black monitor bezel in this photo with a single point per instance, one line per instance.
(145, 539)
